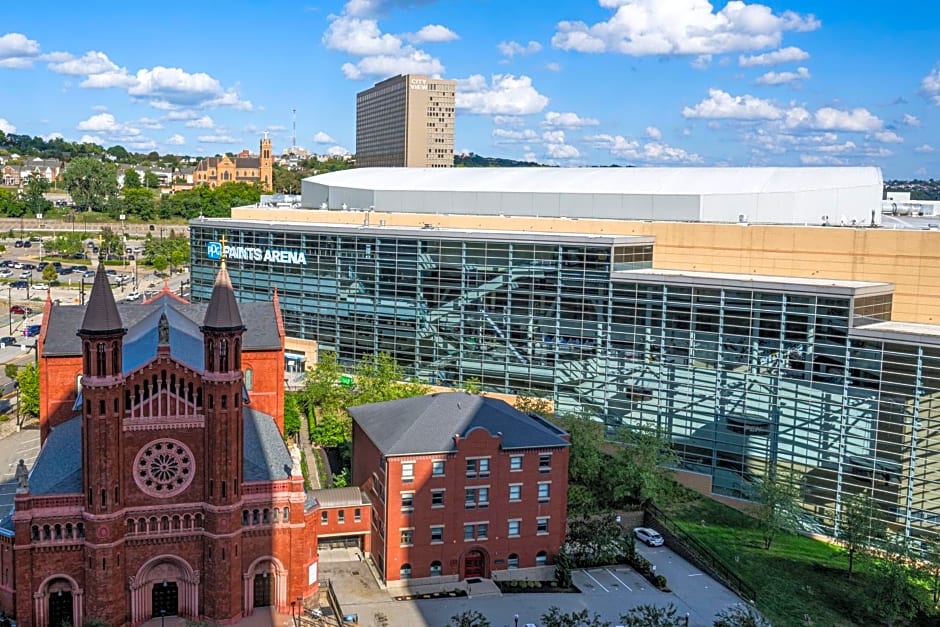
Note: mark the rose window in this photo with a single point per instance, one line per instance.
(163, 468)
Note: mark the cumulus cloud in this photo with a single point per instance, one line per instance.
(323, 138)
(691, 27)
(109, 130)
(651, 152)
(701, 62)
(930, 86)
(175, 140)
(790, 54)
(508, 120)
(415, 62)
(92, 62)
(910, 120)
(506, 136)
(17, 51)
(433, 33)
(6, 127)
(722, 105)
(922, 149)
(567, 120)
(512, 48)
(338, 151)
(150, 123)
(220, 138)
(653, 133)
(553, 67)
(782, 78)
(505, 94)
(888, 137)
(203, 122)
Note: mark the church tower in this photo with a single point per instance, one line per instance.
(222, 331)
(103, 458)
(266, 164)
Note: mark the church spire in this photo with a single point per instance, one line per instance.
(101, 314)
(222, 313)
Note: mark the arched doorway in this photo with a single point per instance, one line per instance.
(475, 564)
(164, 586)
(60, 608)
(266, 585)
(58, 601)
(264, 590)
(164, 599)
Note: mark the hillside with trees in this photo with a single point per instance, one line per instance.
(920, 189)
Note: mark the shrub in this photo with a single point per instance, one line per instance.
(660, 582)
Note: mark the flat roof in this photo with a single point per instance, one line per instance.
(762, 282)
(904, 332)
(419, 232)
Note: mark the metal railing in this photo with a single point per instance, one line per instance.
(689, 547)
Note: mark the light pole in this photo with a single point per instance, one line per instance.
(162, 616)
(516, 619)
(295, 613)
(123, 217)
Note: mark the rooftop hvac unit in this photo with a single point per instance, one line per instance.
(742, 218)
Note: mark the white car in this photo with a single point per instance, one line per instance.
(648, 536)
(25, 274)
(18, 265)
(6, 273)
(132, 297)
(40, 286)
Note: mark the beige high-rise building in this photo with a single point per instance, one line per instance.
(406, 121)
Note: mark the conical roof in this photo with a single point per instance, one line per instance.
(101, 313)
(222, 313)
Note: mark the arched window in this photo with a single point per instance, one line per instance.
(78, 384)
(238, 353)
(541, 558)
(101, 360)
(244, 517)
(223, 355)
(405, 571)
(131, 525)
(116, 358)
(210, 356)
(286, 514)
(512, 561)
(249, 379)
(436, 569)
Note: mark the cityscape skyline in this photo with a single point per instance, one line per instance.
(630, 82)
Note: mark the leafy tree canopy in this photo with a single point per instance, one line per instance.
(90, 182)
(28, 378)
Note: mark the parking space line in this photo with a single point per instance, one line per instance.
(618, 579)
(596, 581)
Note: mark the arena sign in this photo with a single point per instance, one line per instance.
(245, 253)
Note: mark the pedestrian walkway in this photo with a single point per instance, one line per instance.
(313, 474)
(262, 617)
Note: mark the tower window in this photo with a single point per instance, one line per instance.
(223, 355)
(101, 360)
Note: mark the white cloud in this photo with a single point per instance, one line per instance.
(561, 151)
(175, 140)
(360, 37)
(323, 138)
(508, 120)
(782, 78)
(553, 137)
(654, 27)
(653, 152)
(108, 129)
(910, 120)
(512, 48)
(567, 120)
(203, 122)
(92, 62)
(150, 123)
(924, 149)
(930, 86)
(888, 137)
(722, 105)
(17, 51)
(553, 67)
(181, 114)
(90, 139)
(118, 79)
(701, 62)
(99, 107)
(791, 54)
(505, 136)
(338, 151)
(415, 62)
(218, 139)
(530, 157)
(505, 95)
(653, 133)
(6, 127)
(52, 136)
(175, 86)
(433, 33)
(99, 122)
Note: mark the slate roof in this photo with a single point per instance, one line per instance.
(222, 312)
(340, 497)
(427, 424)
(101, 314)
(64, 320)
(58, 468)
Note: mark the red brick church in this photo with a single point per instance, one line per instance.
(164, 485)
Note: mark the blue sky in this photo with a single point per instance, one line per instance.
(568, 82)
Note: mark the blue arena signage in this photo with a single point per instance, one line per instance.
(293, 257)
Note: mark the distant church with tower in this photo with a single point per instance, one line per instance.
(241, 168)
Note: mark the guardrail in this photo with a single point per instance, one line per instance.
(689, 547)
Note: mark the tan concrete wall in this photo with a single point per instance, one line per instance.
(307, 347)
(909, 259)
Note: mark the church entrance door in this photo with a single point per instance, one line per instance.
(264, 590)
(165, 599)
(60, 608)
(473, 565)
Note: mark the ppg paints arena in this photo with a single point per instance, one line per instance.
(760, 316)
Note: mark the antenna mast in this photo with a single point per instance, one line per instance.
(293, 139)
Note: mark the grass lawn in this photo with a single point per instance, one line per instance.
(798, 578)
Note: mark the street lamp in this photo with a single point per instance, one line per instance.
(295, 613)
(162, 616)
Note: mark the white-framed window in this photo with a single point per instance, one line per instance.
(478, 467)
(541, 558)
(468, 531)
(357, 514)
(437, 498)
(324, 517)
(515, 463)
(515, 491)
(478, 497)
(405, 571)
(515, 527)
(407, 536)
(437, 468)
(483, 531)
(476, 531)
(545, 491)
(340, 516)
(437, 534)
(541, 525)
(545, 462)
(512, 561)
(407, 501)
(407, 472)
(436, 569)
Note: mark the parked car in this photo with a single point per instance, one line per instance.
(32, 330)
(111, 272)
(18, 265)
(8, 340)
(6, 263)
(27, 244)
(25, 274)
(79, 268)
(18, 243)
(19, 285)
(88, 273)
(133, 296)
(40, 286)
(21, 310)
(6, 273)
(647, 536)
(65, 270)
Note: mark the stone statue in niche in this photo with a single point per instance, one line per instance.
(163, 331)
(22, 477)
(295, 470)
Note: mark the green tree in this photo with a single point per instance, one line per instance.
(889, 594)
(652, 616)
(160, 263)
(643, 465)
(778, 508)
(120, 153)
(740, 615)
(588, 466)
(10, 370)
(554, 617)
(112, 244)
(597, 540)
(930, 565)
(151, 180)
(28, 378)
(34, 198)
(178, 257)
(65, 244)
(380, 378)
(468, 618)
(90, 182)
(49, 273)
(859, 526)
(131, 179)
(140, 202)
(291, 415)
(10, 204)
(533, 405)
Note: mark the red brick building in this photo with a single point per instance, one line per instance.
(461, 485)
(164, 486)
